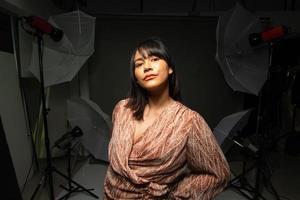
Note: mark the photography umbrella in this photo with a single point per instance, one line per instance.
(244, 67)
(63, 59)
(95, 125)
(228, 128)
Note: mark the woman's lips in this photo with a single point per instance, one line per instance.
(149, 77)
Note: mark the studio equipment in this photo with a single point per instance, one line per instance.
(283, 78)
(40, 27)
(68, 137)
(244, 67)
(245, 55)
(286, 70)
(95, 124)
(228, 129)
(268, 35)
(66, 142)
(230, 134)
(44, 27)
(64, 58)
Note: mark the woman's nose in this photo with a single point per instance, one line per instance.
(147, 67)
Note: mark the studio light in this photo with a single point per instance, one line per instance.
(268, 35)
(68, 137)
(44, 27)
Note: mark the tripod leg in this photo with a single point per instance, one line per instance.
(38, 187)
(66, 196)
(81, 187)
(239, 190)
(73, 165)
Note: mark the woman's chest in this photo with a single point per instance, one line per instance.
(141, 127)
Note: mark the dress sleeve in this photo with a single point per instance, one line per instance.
(114, 113)
(117, 111)
(209, 170)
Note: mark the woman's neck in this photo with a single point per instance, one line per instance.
(158, 102)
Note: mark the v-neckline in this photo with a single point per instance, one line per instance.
(142, 136)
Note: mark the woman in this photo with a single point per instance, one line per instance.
(160, 149)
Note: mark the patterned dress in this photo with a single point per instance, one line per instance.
(176, 158)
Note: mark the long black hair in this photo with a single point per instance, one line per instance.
(138, 97)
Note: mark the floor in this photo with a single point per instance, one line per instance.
(285, 177)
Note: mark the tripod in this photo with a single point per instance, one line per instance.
(240, 183)
(70, 188)
(260, 158)
(47, 177)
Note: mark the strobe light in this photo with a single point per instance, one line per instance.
(44, 27)
(68, 137)
(268, 35)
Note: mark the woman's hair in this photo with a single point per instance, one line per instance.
(137, 95)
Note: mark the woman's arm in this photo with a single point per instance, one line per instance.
(117, 111)
(209, 168)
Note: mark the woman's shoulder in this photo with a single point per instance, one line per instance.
(188, 112)
(122, 102)
(120, 106)
(191, 117)
(193, 120)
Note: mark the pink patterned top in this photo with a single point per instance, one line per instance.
(176, 158)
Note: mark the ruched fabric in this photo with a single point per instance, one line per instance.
(176, 158)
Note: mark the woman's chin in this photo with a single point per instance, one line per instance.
(155, 89)
(150, 85)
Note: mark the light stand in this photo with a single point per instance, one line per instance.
(70, 189)
(47, 176)
(261, 160)
(240, 183)
(254, 193)
(48, 171)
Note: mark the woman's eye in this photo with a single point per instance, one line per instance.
(138, 64)
(154, 59)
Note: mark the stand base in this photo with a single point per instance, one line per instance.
(246, 190)
(72, 190)
(79, 187)
(241, 185)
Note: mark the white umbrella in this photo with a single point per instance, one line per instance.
(62, 60)
(94, 123)
(244, 67)
(228, 127)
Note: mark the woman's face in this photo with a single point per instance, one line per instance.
(151, 72)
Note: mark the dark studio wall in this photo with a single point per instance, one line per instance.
(191, 41)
